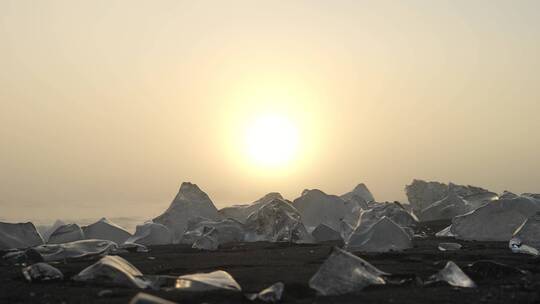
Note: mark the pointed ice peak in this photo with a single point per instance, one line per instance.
(507, 195)
(454, 276)
(313, 193)
(191, 192)
(269, 197)
(361, 190)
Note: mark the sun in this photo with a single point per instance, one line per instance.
(271, 140)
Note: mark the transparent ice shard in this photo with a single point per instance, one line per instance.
(78, 249)
(445, 232)
(517, 246)
(65, 234)
(272, 294)
(144, 298)
(113, 270)
(277, 221)
(343, 272)
(449, 246)
(42, 272)
(526, 238)
(151, 233)
(385, 235)
(453, 275)
(217, 280)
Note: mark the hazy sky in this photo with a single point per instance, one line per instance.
(107, 106)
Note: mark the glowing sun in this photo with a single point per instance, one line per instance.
(271, 140)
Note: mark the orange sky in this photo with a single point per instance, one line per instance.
(107, 106)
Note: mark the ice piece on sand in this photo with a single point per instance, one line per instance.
(190, 202)
(151, 233)
(47, 230)
(449, 246)
(343, 272)
(393, 211)
(217, 280)
(18, 235)
(496, 221)
(225, 231)
(384, 236)
(113, 270)
(144, 298)
(65, 234)
(324, 233)
(453, 275)
(526, 238)
(42, 272)
(106, 230)
(445, 232)
(272, 294)
(277, 221)
(74, 250)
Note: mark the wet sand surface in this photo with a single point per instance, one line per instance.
(257, 265)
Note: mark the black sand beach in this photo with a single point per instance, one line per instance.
(258, 265)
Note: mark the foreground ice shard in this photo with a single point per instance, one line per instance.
(65, 234)
(317, 207)
(242, 212)
(453, 275)
(343, 272)
(217, 280)
(449, 246)
(270, 294)
(190, 202)
(74, 250)
(115, 271)
(106, 230)
(526, 238)
(151, 233)
(385, 235)
(495, 221)
(277, 221)
(18, 235)
(42, 272)
(144, 298)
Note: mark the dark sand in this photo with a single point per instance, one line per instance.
(258, 265)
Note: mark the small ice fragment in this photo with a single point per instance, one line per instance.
(272, 294)
(144, 298)
(105, 293)
(217, 280)
(449, 246)
(134, 247)
(517, 246)
(343, 272)
(42, 272)
(446, 232)
(453, 275)
(113, 270)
